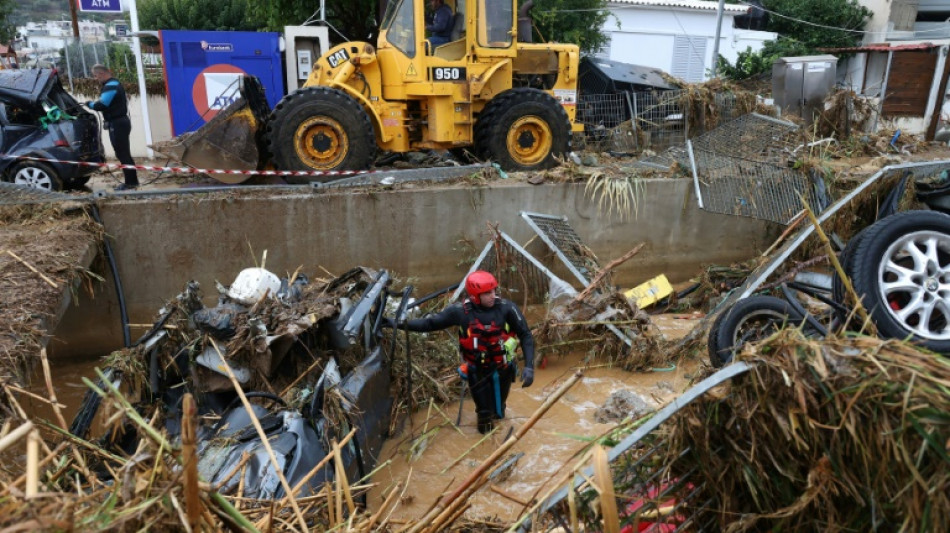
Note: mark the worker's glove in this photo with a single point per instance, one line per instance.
(527, 376)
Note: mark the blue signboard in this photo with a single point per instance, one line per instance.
(102, 6)
(202, 69)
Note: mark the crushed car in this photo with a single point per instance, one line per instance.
(898, 266)
(39, 119)
(305, 355)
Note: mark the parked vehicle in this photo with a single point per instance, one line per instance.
(38, 118)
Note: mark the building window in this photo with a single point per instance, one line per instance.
(689, 58)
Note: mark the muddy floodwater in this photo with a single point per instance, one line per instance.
(429, 468)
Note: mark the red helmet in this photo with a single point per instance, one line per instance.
(478, 282)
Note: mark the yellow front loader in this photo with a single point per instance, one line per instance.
(504, 100)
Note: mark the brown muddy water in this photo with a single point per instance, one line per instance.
(551, 448)
(428, 467)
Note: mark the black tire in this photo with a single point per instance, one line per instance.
(318, 128)
(907, 296)
(36, 175)
(750, 319)
(846, 258)
(523, 129)
(78, 183)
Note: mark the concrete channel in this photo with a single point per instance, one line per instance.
(426, 234)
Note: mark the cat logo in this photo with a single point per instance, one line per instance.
(411, 71)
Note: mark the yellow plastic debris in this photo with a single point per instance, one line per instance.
(650, 292)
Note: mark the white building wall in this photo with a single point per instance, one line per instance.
(877, 26)
(158, 117)
(646, 34)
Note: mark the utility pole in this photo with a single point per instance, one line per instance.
(75, 17)
(715, 57)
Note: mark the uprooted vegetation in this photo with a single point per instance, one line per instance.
(845, 434)
(41, 253)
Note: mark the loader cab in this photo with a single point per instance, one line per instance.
(488, 25)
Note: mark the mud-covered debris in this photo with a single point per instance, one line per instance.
(621, 405)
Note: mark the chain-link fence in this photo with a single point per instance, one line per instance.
(75, 60)
(633, 121)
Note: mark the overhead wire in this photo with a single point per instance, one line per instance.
(827, 27)
(740, 2)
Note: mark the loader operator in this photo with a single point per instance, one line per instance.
(489, 331)
(440, 27)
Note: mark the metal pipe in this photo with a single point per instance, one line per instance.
(110, 256)
(140, 74)
(69, 72)
(82, 56)
(880, 107)
(715, 53)
(400, 316)
(433, 295)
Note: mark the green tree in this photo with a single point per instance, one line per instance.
(571, 21)
(7, 26)
(220, 15)
(356, 20)
(803, 26)
(847, 15)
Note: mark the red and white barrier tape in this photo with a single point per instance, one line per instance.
(191, 170)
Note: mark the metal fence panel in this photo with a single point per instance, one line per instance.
(561, 238)
(635, 121)
(751, 136)
(742, 187)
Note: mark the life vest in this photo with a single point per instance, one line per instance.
(484, 344)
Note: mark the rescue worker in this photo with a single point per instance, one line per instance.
(490, 329)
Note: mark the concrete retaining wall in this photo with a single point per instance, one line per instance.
(428, 236)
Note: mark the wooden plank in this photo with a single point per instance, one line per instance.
(908, 87)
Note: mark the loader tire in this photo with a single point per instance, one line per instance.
(523, 129)
(318, 128)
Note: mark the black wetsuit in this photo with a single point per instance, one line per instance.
(113, 104)
(489, 376)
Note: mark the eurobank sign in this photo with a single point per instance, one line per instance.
(101, 6)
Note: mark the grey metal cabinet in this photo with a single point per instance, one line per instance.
(800, 84)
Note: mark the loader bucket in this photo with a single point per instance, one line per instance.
(230, 140)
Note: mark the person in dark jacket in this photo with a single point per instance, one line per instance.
(113, 104)
(490, 329)
(440, 28)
